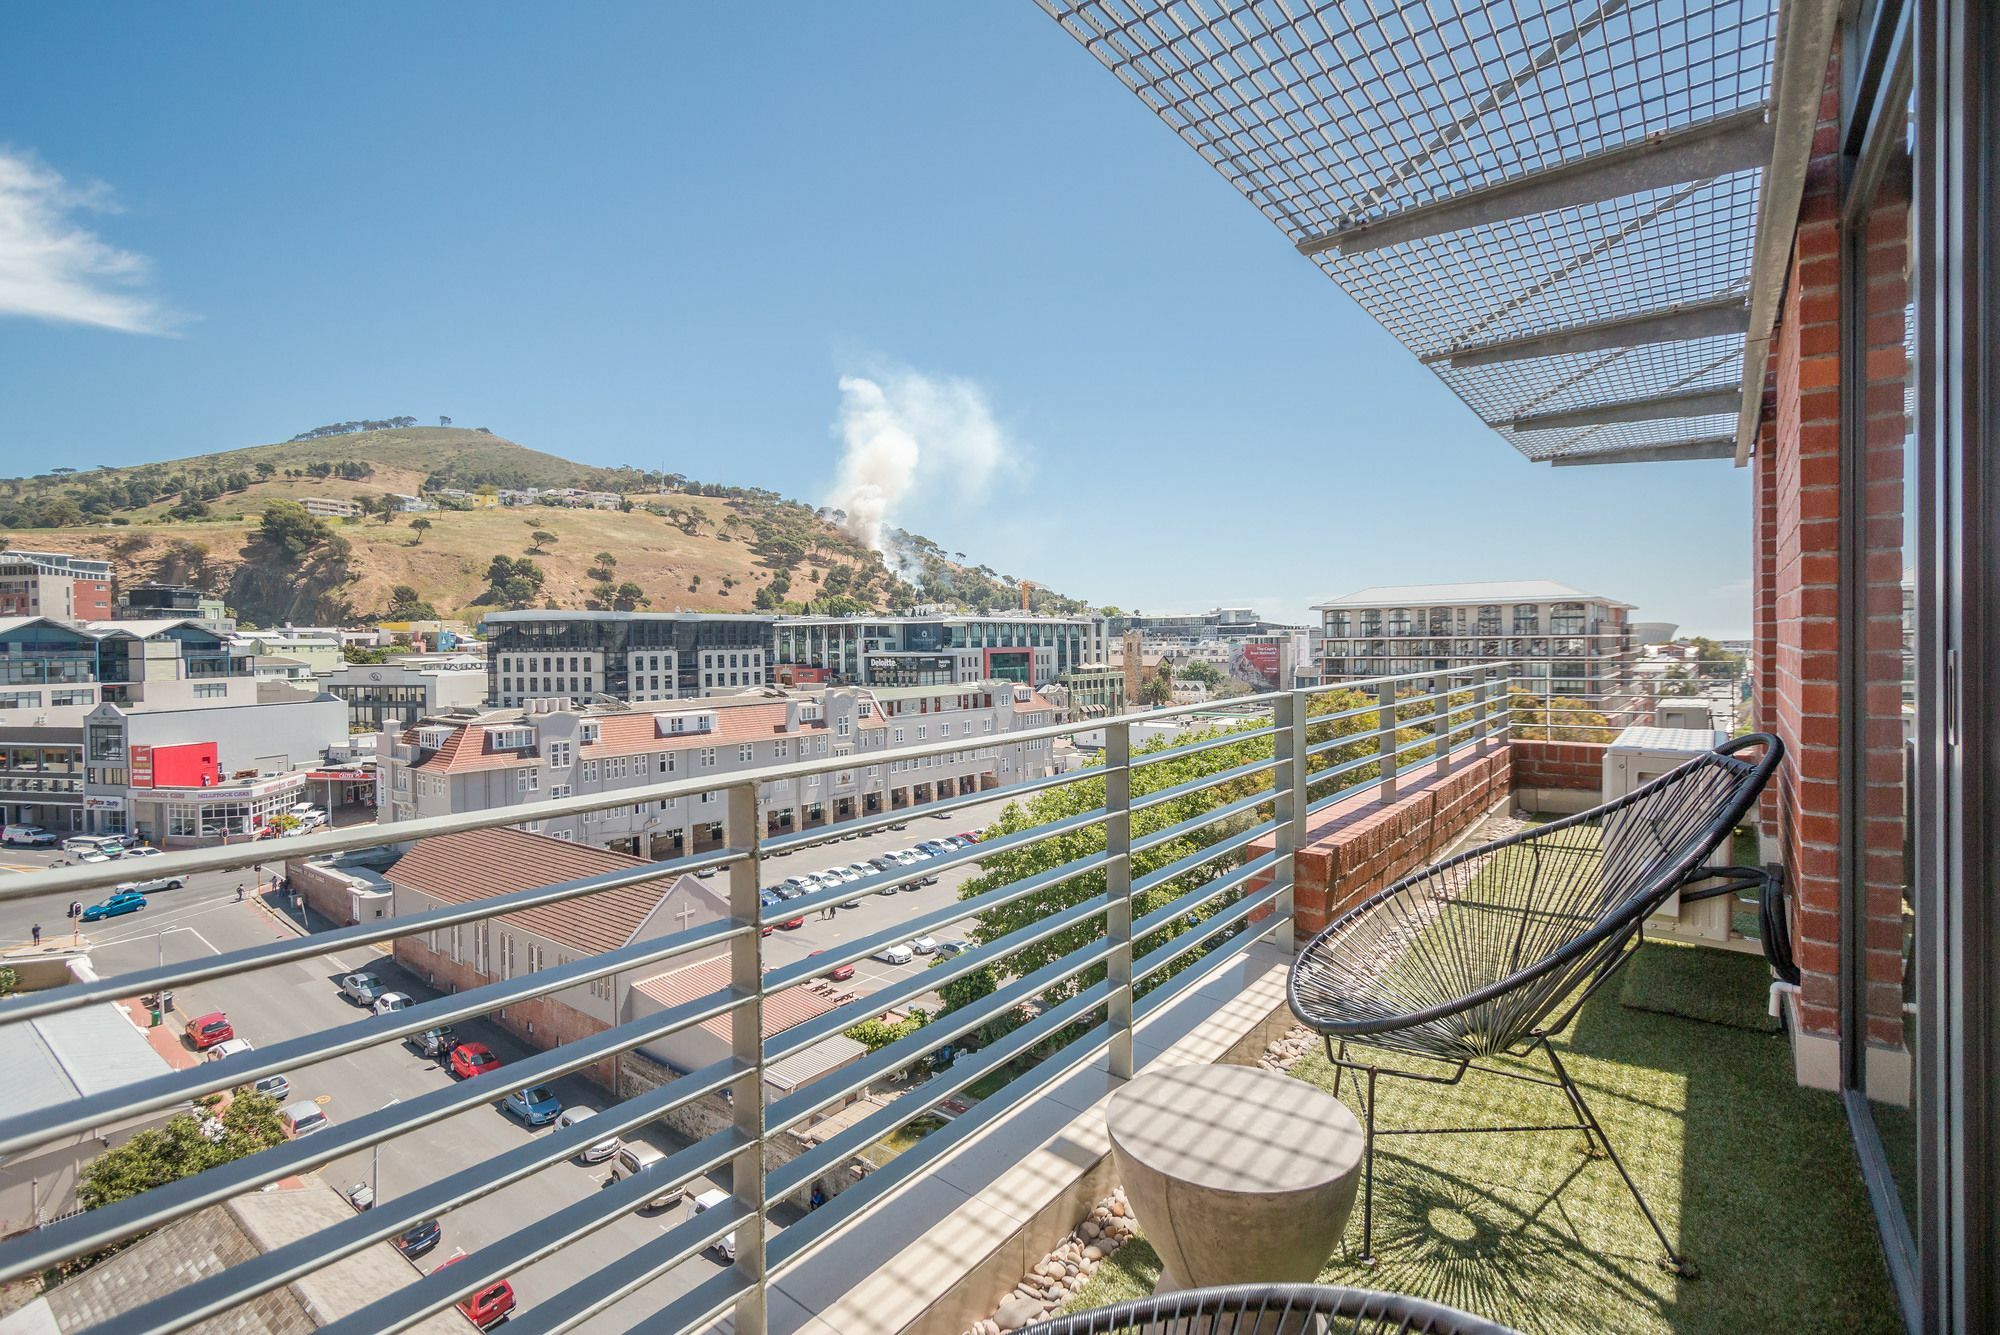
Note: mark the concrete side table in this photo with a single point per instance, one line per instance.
(1237, 1174)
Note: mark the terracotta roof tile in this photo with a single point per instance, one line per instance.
(480, 864)
(690, 982)
(466, 750)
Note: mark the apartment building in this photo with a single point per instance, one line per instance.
(933, 649)
(156, 602)
(1573, 644)
(407, 688)
(54, 584)
(481, 760)
(632, 656)
(331, 507)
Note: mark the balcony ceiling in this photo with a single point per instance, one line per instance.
(1554, 205)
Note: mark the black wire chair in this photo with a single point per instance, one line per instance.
(1271, 1309)
(1491, 951)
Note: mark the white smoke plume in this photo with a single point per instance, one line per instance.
(907, 434)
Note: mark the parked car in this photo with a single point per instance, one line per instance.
(273, 1087)
(229, 1047)
(418, 1238)
(125, 901)
(925, 945)
(941, 815)
(861, 870)
(149, 885)
(725, 1246)
(934, 847)
(144, 851)
(640, 1159)
(205, 1031)
(490, 1305)
(434, 1043)
(26, 836)
(792, 887)
(970, 836)
(845, 875)
(900, 825)
(881, 862)
(598, 1150)
(536, 1105)
(391, 1002)
(303, 1118)
(948, 949)
(94, 848)
(705, 873)
(362, 988)
(897, 954)
(793, 924)
(470, 1059)
(839, 973)
(907, 857)
(769, 898)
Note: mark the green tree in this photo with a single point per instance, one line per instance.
(1679, 681)
(287, 527)
(9, 980)
(539, 541)
(629, 596)
(420, 525)
(179, 1149)
(1157, 689)
(1200, 672)
(876, 1033)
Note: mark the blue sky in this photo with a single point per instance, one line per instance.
(662, 235)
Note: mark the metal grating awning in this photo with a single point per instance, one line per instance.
(1554, 205)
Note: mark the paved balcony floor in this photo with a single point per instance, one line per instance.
(1754, 1176)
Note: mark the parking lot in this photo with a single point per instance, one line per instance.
(204, 917)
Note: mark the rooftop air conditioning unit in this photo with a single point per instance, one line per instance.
(1636, 757)
(1683, 712)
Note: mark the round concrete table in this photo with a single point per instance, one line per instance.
(1237, 1174)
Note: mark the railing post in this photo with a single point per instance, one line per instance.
(1482, 710)
(1118, 890)
(1385, 738)
(746, 1033)
(1441, 729)
(1290, 808)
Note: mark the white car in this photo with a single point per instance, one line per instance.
(908, 857)
(724, 1246)
(845, 875)
(362, 988)
(147, 887)
(861, 870)
(895, 954)
(228, 1047)
(391, 1002)
(598, 1150)
(924, 945)
(145, 851)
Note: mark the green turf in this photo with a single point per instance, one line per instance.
(1754, 1176)
(1714, 986)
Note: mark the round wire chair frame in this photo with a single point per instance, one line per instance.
(1574, 970)
(1272, 1309)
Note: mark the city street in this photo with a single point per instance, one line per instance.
(289, 1000)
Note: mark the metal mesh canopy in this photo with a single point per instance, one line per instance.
(1553, 204)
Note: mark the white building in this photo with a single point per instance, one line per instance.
(331, 507)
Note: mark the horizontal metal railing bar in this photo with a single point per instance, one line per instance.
(803, 1103)
(71, 995)
(815, 966)
(172, 1200)
(789, 1178)
(804, 1035)
(1219, 955)
(547, 1235)
(1215, 887)
(1209, 928)
(779, 844)
(1142, 801)
(213, 1294)
(1229, 737)
(1166, 834)
(1334, 771)
(33, 1128)
(636, 1268)
(1201, 857)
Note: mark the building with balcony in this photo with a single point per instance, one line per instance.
(406, 688)
(935, 649)
(54, 584)
(633, 656)
(156, 602)
(332, 507)
(1579, 645)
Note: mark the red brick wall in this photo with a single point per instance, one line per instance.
(1539, 764)
(91, 599)
(542, 1022)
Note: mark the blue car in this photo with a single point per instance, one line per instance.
(536, 1105)
(419, 1239)
(129, 901)
(769, 898)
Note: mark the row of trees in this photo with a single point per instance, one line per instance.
(349, 428)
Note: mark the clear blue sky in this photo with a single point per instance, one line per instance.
(659, 235)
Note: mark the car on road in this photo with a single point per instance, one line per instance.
(537, 1105)
(470, 1059)
(362, 988)
(150, 885)
(840, 973)
(925, 945)
(490, 1305)
(597, 1151)
(724, 1246)
(26, 836)
(125, 901)
(639, 1159)
(303, 1118)
(418, 1238)
(92, 847)
(434, 1043)
(229, 1047)
(273, 1087)
(897, 954)
(793, 924)
(144, 851)
(205, 1031)
(391, 1002)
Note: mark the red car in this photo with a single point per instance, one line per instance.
(492, 1304)
(205, 1031)
(970, 837)
(470, 1059)
(793, 924)
(841, 973)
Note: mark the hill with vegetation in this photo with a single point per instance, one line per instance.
(232, 523)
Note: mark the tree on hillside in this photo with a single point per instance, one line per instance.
(515, 582)
(539, 541)
(606, 560)
(629, 596)
(419, 525)
(265, 468)
(288, 527)
(406, 604)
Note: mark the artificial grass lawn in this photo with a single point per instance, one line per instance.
(1752, 1176)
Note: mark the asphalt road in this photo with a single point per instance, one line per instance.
(289, 1000)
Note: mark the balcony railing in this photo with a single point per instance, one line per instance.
(1166, 886)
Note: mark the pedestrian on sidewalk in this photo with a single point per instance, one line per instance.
(38, 933)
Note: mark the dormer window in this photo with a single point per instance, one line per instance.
(510, 739)
(586, 733)
(432, 739)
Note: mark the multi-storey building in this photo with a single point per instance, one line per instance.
(407, 688)
(331, 507)
(480, 760)
(937, 649)
(54, 584)
(156, 602)
(634, 656)
(1574, 644)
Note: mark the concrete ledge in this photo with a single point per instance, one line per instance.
(942, 1251)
